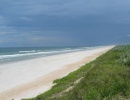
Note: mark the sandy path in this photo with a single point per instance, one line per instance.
(29, 78)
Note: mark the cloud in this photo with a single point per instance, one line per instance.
(1, 41)
(7, 30)
(44, 12)
(26, 18)
(4, 28)
(1, 33)
(32, 7)
(3, 21)
(43, 40)
(128, 35)
(38, 38)
(58, 7)
(51, 21)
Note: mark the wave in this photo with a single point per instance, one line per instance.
(20, 55)
(39, 52)
(33, 52)
(27, 51)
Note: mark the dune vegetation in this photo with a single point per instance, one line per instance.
(106, 78)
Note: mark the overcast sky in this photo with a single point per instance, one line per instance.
(64, 22)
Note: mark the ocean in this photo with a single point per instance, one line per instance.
(23, 53)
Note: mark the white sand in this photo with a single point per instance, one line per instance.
(25, 79)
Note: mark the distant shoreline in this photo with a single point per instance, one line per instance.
(25, 79)
(14, 54)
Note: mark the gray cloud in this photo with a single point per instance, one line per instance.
(3, 21)
(73, 22)
(26, 18)
(68, 7)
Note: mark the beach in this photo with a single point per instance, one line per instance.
(29, 78)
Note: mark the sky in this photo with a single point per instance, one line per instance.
(64, 22)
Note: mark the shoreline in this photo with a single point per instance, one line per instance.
(34, 56)
(35, 84)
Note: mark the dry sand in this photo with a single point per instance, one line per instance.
(26, 79)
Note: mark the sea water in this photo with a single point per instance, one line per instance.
(13, 54)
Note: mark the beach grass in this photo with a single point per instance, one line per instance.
(106, 78)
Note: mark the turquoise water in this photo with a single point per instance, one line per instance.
(23, 53)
